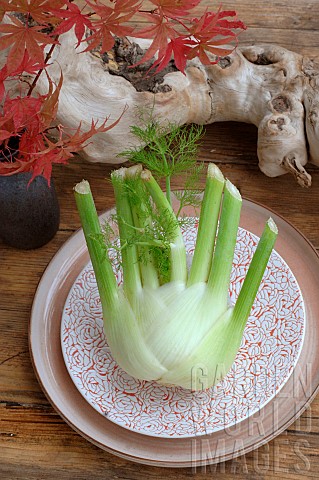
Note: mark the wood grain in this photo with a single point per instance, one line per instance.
(35, 443)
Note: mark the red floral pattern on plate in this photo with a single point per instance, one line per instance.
(269, 351)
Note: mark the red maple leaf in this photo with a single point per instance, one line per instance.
(212, 23)
(39, 10)
(50, 103)
(4, 135)
(205, 35)
(28, 118)
(27, 66)
(72, 17)
(3, 76)
(162, 31)
(111, 23)
(6, 128)
(179, 49)
(202, 49)
(49, 152)
(21, 38)
(210, 32)
(20, 119)
(25, 112)
(44, 157)
(173, 9)
(5, 6)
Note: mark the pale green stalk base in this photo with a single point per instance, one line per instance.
(100, 260)
(207, 228)
(142, 220)
(219, 277)
(131, 271)
(255, 272)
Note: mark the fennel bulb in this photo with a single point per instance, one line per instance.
(164, 323)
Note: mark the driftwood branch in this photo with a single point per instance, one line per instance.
(266, 85)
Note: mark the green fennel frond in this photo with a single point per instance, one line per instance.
(166, 149)
(169, 150)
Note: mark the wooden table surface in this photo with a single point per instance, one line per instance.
(35, 443)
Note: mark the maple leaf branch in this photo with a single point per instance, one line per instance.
(47, 58)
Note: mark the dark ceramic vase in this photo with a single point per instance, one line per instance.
(29, 215)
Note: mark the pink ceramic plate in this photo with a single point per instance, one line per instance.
(298, 384)
(270, 349)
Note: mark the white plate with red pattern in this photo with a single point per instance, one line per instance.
(270, 349)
